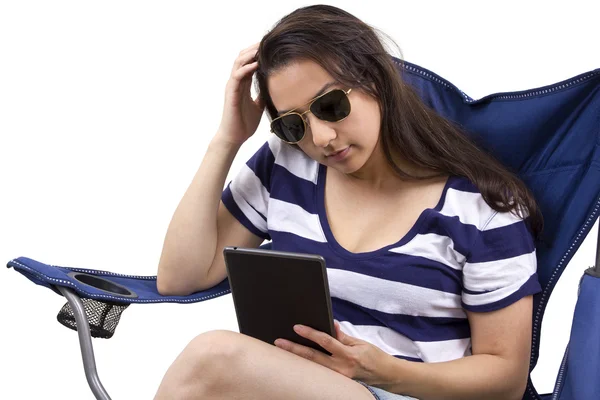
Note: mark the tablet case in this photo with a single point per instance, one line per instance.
(273, 290)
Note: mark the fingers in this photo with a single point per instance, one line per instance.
(338, 330)
(244, 57)
(241, 74)
(244, 71)
(303, 351)
(251, 47)
(321, 338)
(243, 68)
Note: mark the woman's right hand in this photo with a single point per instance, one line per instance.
(241, 114)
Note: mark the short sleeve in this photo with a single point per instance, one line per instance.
(247, 195)
(501, 267)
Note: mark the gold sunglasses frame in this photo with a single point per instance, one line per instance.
(301, 115)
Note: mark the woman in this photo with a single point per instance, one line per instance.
(428, 240)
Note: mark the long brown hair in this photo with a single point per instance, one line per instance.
(352, 53)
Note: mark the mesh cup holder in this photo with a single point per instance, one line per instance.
(103, 316)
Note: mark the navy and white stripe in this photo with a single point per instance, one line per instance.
(408, 298)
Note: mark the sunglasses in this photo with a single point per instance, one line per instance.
(332, 106)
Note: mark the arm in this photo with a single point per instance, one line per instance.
(200, 226)
(191, 259)
(498, 368)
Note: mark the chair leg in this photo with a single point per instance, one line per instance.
(85, 342)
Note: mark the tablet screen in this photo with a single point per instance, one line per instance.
(273, 290)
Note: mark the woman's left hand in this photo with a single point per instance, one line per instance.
(350, 356)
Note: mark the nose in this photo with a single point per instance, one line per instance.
(322, 133)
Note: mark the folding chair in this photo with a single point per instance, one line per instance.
(549, 135)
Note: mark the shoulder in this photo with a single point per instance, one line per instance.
(462, 199)
(465, 200)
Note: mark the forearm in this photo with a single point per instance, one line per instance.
(478, 377)
(191, 238)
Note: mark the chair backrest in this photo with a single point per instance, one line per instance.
(549, 136)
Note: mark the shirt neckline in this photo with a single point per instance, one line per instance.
(342, 251)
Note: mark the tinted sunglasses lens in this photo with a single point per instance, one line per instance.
(332, 107)
(289, 128)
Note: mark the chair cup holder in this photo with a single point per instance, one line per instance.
(102, 284)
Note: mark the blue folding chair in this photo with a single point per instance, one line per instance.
(550, 136)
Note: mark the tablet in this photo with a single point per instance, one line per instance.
(274, 290)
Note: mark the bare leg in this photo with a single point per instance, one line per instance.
(229, 365)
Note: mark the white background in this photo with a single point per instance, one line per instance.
(106, 109)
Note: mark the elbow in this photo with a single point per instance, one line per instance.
(512, 379)
(518, 396)
(167, 287)
(518, 386)
(519, 390)
(163, 287)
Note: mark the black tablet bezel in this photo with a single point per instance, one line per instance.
(320, 288)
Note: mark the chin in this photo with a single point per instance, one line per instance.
(346, 168)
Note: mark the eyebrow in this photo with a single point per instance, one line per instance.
(320, 92)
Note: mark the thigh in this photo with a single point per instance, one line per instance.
(241, 367)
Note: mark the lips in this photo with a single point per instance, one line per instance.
(339, 155)
(335, 152)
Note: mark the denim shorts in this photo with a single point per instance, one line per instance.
(381, 394)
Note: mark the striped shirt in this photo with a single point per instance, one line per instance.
(408, 298)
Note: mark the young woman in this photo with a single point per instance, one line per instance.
(429, 241)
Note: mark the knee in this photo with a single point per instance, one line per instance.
(215, 345)
(215, 355)
(204, 366)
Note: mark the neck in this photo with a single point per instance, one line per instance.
(378, 175)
